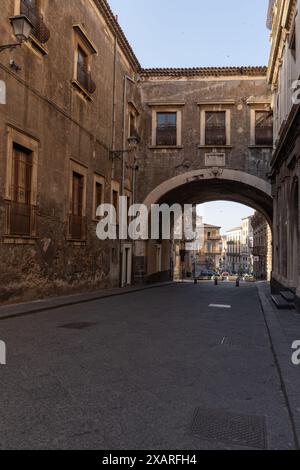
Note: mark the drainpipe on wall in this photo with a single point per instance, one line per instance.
(127, 79)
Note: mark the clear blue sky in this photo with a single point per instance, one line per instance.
(224, 214)
(198, 33)
(195, 33)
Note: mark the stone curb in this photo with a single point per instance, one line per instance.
(289, 374)
(30, 308)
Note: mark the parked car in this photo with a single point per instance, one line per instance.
(225, 275)
(249, 278)
(205, 274)
(219, 277)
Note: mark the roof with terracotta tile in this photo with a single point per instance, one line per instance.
(204, 72)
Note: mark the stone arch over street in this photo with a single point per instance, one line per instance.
(198, 187)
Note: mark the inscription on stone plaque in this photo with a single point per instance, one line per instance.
(215, 159)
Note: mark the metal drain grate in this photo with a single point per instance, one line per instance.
(235, 343)
(78, 325)
(231, 428)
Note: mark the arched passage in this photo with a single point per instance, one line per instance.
(196, 187)
(206, 185)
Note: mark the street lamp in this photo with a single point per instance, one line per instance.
(132, 145)
(22, 28)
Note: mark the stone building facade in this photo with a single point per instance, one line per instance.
(217, 144)
(239, 244)
(210, 253)
(71, 98)
(262, 247)
(284, 76)
(75, 94)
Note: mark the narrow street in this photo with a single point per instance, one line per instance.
(131, 371)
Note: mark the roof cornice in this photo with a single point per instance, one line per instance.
(204, 72)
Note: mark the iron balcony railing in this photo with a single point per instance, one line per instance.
(77, 227)
(40, 30)
(85, 79)
(21, 219)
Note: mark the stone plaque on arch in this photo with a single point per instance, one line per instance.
(215, 159)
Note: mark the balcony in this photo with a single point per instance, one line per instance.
(85, 80)
(40, 30)
(21, 219)
(77, 227)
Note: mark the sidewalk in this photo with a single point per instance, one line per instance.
(52, 303)
(284, 328)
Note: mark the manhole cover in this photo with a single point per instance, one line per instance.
(249, 431)
(78, 325)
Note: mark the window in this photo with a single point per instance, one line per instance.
(115, 192)
(77, 211)
(264, 128)
(215, 128)
(82, 68)
(209, 247)
(20, 186)
(31, 9)
(166, 131)
(99, 185)
(99, 192)
(115, 200)
(132, 124)
(84, 49)
(76, 217)
(83, 76)
(166, 125)
(20, 213)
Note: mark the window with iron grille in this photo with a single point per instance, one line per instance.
(166, 131)
(215, 128)
(31, 9)
(20, 211)
(264, 128)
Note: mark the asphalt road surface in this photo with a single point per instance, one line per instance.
(157, 369)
